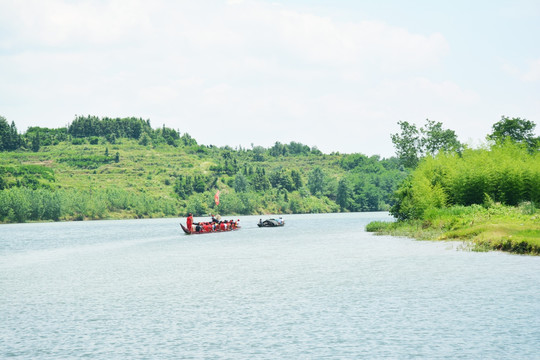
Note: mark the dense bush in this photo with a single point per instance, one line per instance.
(507, 173)
(23, 204)
(30, 176)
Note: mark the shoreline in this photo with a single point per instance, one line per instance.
(502, 228)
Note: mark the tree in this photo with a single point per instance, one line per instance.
(36, 142)
(260, 181)
(281, 179)
(199, 184)
(343, 194)
(316, 181)
(144, 139)
(297, 179)
(9, 137)
(187, 140)
(241, 183)
(407, 144)
(258, 153)
(412, 144)
(183, 186)
(278, 149)
(435, 138)
(517, 130)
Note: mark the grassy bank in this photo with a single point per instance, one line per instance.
(493, 227)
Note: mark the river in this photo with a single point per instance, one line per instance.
(318, 288)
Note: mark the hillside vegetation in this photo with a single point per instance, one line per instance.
(123, 168)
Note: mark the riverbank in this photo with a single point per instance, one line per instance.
(497, 227)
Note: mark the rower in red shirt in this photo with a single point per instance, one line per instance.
(190, 222)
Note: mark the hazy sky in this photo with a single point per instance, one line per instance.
(336, 74)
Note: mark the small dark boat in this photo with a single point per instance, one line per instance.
(271, 223)
(202, 229)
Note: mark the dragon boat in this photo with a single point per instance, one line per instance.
(207, 228)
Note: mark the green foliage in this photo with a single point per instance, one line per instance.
(36, 142)
(278, 150)
(197, 205)
(296, 178)
(260, 181)
(506, 173)
(516, 130)
(343, 194)
(370, 182)
(87, 162)
(47, 137)
(183, 186)
(436, 139)
(316, 181)
(412, 144)
(258, 153)
(241, 183)
(24, 204)
(88, 126)
(186, 185)
(92, 128)
(9, 137)
(187, 140)
(238, 203)
(291, 149)
(407, 144)
(30, 176)
(78, 141)
(144, 140)
(282, 179)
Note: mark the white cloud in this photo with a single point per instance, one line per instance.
(236, 66)
(529, 74)
(532, 74)
(77, 24)
(319, 39)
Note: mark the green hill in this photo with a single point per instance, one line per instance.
(123, 168)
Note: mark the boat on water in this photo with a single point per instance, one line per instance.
(211, 227)
(271, 222)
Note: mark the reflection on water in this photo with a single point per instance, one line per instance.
(320, 287)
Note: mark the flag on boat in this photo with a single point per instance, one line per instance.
(216, 197)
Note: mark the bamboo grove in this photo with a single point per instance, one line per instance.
(506, 173)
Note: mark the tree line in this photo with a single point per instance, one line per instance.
(89, 129)
(10, 139)
(507, 171)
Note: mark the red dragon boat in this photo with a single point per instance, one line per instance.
(211, 227)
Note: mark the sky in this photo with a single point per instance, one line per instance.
(338, 75)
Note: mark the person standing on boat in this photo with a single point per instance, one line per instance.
(190, 222)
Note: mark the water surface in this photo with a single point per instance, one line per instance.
(320, 287)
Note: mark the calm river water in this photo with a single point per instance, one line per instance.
(318, 288)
